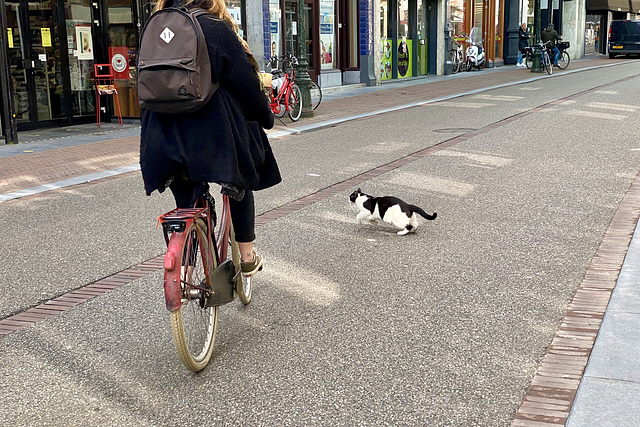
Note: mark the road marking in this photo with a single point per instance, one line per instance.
(499, 97)
(461, 104)
(68, 182)
(306, 128)
(610, 106)
(595, 114)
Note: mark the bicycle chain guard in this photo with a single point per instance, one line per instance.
(222, 284)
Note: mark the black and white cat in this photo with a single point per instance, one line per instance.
(389, 209)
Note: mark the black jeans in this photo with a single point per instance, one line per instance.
(187, 192)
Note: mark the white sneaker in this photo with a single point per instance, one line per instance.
(520, 65)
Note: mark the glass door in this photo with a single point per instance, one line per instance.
(35, 61)
(122, 53)
(81, 56)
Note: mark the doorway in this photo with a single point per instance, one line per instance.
(35, 62)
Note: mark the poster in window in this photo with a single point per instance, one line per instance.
(46, 37)
(84, 43)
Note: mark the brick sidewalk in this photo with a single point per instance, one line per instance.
(27, 170)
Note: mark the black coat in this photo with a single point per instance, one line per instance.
(523, 39)
(222, 142)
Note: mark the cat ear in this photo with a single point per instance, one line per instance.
(359, 190)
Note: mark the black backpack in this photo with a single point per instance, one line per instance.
(174, 71)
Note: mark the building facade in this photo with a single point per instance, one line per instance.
(52, 45)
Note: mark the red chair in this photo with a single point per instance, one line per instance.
(103, 74)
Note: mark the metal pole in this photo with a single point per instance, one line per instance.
(8, 116)
(302, 75)
(537, 53)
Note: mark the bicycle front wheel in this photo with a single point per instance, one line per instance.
(294, 100)
(316, 95)
(244, 285)
(563, 60)
(455, 65)
(528, 60)
(194, 325)
(547, 63)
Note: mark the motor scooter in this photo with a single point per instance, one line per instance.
(474, 56)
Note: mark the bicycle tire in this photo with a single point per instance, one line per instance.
(193, 325)
(281, 108)
(454, 62)
(244, 285)
(294, 102)
(316, 94)
(563, 60)
(528, 61)
(547, 63)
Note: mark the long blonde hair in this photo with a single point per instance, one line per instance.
(213, 7)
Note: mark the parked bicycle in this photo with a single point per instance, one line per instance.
(563, 59)
(285, 95)
(456, 56)
(198, 277)
(545, 58)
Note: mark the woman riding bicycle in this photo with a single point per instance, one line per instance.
(222, 142)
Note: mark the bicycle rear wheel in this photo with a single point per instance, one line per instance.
(528, 60)
(294, 102)
(316, 95)
(563, 60)
(194, 325)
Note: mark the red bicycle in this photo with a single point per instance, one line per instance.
(285, 96)
(198, 277)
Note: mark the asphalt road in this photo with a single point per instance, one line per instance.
(350, 324)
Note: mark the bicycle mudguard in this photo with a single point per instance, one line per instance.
(172, 271)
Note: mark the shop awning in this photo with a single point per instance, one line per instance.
(612, 5)
(635, 6)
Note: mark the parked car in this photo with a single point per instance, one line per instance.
(624, 37)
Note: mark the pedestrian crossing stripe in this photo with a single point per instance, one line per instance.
(462, 104)
(596, 115)
(610, 106)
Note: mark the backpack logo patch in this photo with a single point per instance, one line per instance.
(167, 35)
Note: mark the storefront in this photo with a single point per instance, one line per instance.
(53, 47)
(483, 17)
(407, 38)
(331, 37)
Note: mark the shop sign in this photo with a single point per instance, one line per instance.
(119, 62)
(10, 30)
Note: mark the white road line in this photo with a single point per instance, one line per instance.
(67, 182)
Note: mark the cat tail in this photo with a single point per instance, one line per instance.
(424, 214)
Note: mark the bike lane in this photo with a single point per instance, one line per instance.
(328, 294)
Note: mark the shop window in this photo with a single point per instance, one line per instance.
(327, 34)
(274, 28)
(123, 54)
(458, 16)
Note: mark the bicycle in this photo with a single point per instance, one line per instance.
(198, 277)
(285, 96)
(545, 59)
(456, 58)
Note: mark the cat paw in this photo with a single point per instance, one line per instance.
(402, 232)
